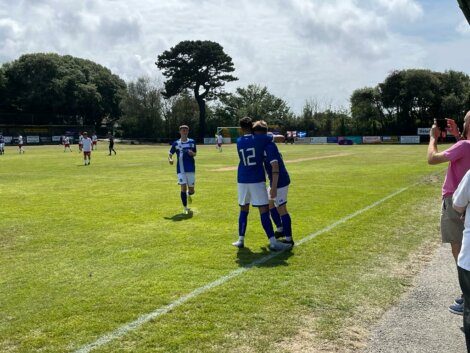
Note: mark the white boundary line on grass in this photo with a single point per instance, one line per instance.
(121, 331)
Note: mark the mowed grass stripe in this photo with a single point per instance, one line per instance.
(121, 331)
(85, 250)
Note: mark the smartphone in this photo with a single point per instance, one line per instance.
(442, 124)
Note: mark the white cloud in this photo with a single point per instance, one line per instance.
(405, 9)
(298, 48)
(463, 28)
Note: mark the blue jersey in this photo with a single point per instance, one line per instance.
(251, 150)
(273, 154)
(186, 162)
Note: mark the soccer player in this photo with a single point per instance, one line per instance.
(252, 184)
(20, 144)
(111, 144)
(80, 143)
(278, 185)
(185, 166)
(220, 140)
(2, 144)
(67, 143)
(86, 146)
(94, 140)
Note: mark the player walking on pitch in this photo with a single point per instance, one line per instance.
(220, 140)
(20, 144)
(111, 144)
(80, 142)
(94, 140)
(2, 144)
(67, 143)
(185, 166)
(86, 146)
(252, 184)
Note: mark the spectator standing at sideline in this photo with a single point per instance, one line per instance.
(458, 157)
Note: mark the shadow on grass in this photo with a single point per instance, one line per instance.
(264, 258)
(180, 217)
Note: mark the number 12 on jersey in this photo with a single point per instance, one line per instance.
(248, 156)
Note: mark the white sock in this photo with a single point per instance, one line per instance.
(272, 240)
(289, 238)
(241, 239)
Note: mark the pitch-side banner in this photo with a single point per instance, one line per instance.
(424, 130)
(56, 138)
(332, 139)
(356, 139)
(318, 140)
(390, 139)
(8, 139)
(209, 141)
(32, 139)
(371, 139)
(409, 139)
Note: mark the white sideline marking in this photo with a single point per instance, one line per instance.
(121, 331)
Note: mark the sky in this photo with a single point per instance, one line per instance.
(320, 50)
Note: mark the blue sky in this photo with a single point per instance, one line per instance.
(300, 49)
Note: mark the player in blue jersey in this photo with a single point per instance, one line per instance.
(279, 182)
(185, 148)
(252, 184)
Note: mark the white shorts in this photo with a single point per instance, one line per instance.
(281, 197)
(254, 193)
(186, 179)
(2, 145)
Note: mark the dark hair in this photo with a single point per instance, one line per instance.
(260, 126)
(246, 123)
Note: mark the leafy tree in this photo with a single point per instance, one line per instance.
(199, 66)
(54, 86)
(142, 109)
(256, 102)
(366, 112)
(179, 110)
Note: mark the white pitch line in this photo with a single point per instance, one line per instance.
(121, 331)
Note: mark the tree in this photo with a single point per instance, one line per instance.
(53, 86)
(257, 103)
(142, 109)
(200, 66)
(366, 112)
(179, 110)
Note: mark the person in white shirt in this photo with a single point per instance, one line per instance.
(461, 203)
(67, 143)
(20, 144)
(94, 139)
(220, 140)
(80, 143)
(86, 146)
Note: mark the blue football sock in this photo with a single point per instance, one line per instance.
(267, 225)
(275, 217)
(242, 223)
(286, 225)
(184, 198)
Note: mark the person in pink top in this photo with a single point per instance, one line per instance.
(458, 157)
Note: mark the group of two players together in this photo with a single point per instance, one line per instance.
(258, 157)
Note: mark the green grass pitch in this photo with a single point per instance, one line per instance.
(86, 250)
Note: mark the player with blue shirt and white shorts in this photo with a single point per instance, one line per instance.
(279, 182)
(251, 179)
(185, 148)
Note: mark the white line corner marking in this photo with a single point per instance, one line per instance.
(121, 331)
